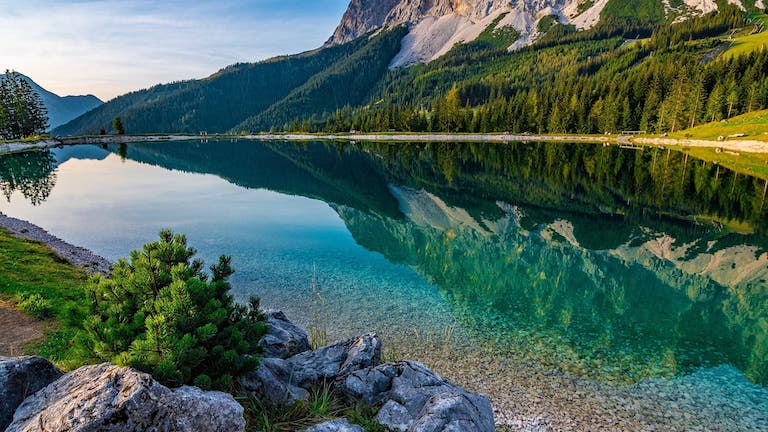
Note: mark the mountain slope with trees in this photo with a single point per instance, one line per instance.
(598, 81)
(213, 104)
(636, 69)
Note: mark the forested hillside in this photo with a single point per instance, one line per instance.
(635, 70)
(347, 82)
(598, 81)
(214, 104)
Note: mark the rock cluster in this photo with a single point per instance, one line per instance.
(281, 381)
(414, 398)
(34, 395)
(338, 425)
(283, 339)
(410, 396)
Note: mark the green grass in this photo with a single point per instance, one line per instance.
(28, 267)
(754, 125)
(31, 270)
(321, 406)
(643, 10)
(753, 42)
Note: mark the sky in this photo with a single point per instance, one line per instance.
(108, 48)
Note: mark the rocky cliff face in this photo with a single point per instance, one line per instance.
(363, 16)
(436, 25)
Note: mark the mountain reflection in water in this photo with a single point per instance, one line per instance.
(606, 262)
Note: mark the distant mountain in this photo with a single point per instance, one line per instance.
(517, 65)
(62, 109)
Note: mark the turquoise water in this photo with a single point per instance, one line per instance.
(614, 264)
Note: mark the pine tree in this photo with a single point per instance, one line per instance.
(732, 101)
(117, 125)
(22, 112)
(5, 113)
(716, 103)
(451, 115)
(161, 314)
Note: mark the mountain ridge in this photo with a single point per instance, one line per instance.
(435, 26)
(361, 85)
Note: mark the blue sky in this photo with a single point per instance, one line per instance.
(111, 47)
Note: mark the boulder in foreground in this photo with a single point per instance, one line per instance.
(19, 378)
(111, 398)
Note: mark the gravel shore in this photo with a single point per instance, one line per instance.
(76, 255)
(528, 397)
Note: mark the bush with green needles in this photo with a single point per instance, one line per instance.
(160, 313)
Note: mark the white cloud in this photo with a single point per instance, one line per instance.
(111, 47)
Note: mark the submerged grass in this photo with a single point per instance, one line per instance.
(318, 328)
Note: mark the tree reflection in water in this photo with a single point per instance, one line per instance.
(30, 173)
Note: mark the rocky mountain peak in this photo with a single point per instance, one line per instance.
(436, 25)
(363, 16)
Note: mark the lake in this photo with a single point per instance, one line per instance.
(526, 271)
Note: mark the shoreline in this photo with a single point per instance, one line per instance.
(746, 146)
(75, 255)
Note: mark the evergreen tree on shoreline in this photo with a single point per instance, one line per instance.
(22, 112)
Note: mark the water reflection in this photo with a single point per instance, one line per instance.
(613, 263)
(31, 173)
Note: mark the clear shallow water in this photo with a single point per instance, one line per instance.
(612, 264)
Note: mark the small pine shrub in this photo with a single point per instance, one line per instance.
(160, 313)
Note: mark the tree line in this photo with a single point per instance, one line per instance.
(22, 112)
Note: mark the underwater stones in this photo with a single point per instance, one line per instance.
(111, 398)
(283, 339)
(415, 399)
(19, 378)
